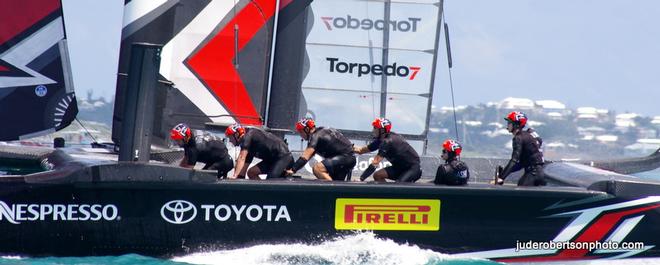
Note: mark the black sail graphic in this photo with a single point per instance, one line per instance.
(36, 93)
(215, 61)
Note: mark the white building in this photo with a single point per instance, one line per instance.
(642, 147)
(445, 109)
(517, 104)
(554, 109)
(555, 115)
(656, 121)
(590, 131)
(626, 120)
(607, 138)
(591, 114)
(551, 105)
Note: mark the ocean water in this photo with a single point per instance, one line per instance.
(359, 249)
(652, 174)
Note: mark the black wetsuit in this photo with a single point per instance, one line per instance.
(272, 150)
(210, 151)
(336, 149)
(452, 172)
(526, 154)
(405, 160)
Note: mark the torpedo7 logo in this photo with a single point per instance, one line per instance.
(374, 69)
(348, 22)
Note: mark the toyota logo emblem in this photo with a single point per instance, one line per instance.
(178, 212)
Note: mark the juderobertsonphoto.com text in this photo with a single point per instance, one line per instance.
(608, 245)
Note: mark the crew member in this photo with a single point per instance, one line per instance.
(526, 153)
(255, 142)
(329, 143)
(405, 160)
(203, 148)
(453, 171)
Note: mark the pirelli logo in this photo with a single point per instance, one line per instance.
(387, 214)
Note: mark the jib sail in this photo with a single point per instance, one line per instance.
(36, 92)
(363, 59)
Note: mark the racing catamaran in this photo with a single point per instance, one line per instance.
(218, 65)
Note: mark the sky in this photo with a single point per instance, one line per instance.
(603, 54)
(596, 53)
(93, 31)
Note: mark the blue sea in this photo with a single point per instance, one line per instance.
(359, 249)
(653, 174)
(363, 248)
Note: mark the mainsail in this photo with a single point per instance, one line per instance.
(215, 60)
(36, 92)
(342, 62)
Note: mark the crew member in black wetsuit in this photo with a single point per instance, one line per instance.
(203, 148)
(526, 152)
(329, 143)
(255, 142)
(453, 171)
(405, 161)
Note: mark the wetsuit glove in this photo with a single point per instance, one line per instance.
(367, 172)
(507, 169)
(299, 164)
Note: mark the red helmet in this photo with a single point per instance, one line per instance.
(305, 123)
(180, 132)
(234, 129)
(450, 145)
(517, 117)
(382, 123)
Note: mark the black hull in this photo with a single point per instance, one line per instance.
(136, 206)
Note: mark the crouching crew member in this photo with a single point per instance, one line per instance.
(255, 142)
(526, 152)
(202, 148)
(405, 160)
(453, 171)
(329, 143)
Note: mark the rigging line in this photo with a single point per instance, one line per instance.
(236, 64)
(371, 58)
(451, 81)
(86, 131)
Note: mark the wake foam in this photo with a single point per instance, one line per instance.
(361, 248)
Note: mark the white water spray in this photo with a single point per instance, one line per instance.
(362, 248)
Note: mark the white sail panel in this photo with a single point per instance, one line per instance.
(414, 74)
(422, 37)
(368, 59)
(362, 69)
(345, 110)
(363, 23)
(334, 23)
(339, 67)
(407, 112)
